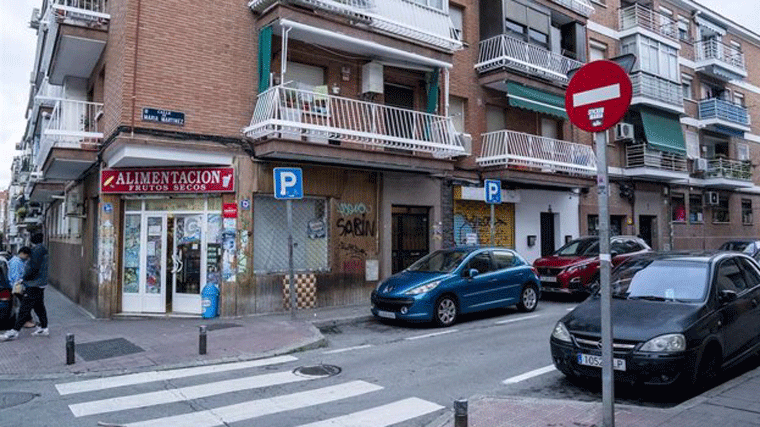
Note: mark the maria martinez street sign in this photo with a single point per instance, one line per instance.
(168, 180)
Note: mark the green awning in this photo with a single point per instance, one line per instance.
(536, 100)
(663, 131)
(265, 57)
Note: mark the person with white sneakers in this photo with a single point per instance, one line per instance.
(35, 279)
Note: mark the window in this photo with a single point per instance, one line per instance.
(308, 75)
(730, 277)
(739, 98)
(746, 211)
(456, 112)
(736, 46)
(695, 208)
(504, 259)
(692, 144)
(538, 37)
(721, 212)
(310, 250)
(516, 28)
(481, 262)
(678, 207)
(597, 51)
(435, 4)
(495, 119)
(550, 128)
(750, 272)
(686, 86)
(654, 57)
(456, 13)
(683, 28)
(742, 152)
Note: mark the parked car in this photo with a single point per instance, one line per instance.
(678, 319)
(449, 282)
(750, 247)
(575, 266)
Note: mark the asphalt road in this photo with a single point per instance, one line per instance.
(390, 374)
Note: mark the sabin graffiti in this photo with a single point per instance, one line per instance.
(347, 209)
(357, 227)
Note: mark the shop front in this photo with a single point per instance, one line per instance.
(173, 235)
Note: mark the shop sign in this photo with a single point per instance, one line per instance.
(229, 210)
(167, 180)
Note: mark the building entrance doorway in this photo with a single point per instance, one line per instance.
(410, 235)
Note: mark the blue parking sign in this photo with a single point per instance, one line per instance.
(493, 191)
(288, 183)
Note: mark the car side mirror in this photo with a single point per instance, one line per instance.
(593, 287)
(726, 296)
(472, 272)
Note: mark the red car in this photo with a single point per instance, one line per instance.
(573, 267)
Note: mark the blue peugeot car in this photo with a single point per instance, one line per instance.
(449, 282)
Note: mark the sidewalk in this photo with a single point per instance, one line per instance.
(735, 403)
(131, 344)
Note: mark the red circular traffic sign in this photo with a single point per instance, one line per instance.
(598, 96)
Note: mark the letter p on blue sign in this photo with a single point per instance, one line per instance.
(493, 191)
(288, 183)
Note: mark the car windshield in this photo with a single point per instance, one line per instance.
(660, 280)
(751, 248)
(443, 261)
(580, 247)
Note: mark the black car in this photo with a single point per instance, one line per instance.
(678, 319)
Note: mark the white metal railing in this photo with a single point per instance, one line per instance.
(404, 18)
(298, 113)
(732, 169)
(640, 155)
(713, 49)
(517, 149)
(72, 124)
(657, 88)
(48, 93)
(581, 6)
(644, 17)
(507, 51)
(81, 9)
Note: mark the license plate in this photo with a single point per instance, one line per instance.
(550, 279)
(596, 361)
(386, 314)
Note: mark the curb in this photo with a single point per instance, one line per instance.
(343, 321)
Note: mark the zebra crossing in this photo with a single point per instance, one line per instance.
(133, 400)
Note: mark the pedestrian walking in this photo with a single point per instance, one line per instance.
(15, 277)
(34, 280)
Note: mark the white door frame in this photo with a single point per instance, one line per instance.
(190, 303)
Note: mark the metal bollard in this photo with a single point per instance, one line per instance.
(460, 413)
(70, 357)
(202, 340)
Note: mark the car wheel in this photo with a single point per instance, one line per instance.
(709, 368)
(445, 311)
(528, 298)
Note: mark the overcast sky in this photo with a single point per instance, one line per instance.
(18, 43)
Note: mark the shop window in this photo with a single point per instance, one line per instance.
(746, 211)
(310, 248)
(721, 212)
(678, 208)
(695, 208)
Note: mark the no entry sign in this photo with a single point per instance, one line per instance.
(598, 96)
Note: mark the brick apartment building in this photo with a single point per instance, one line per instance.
(151, 139)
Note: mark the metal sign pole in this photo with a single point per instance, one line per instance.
(290, 260)
(608, 383)
(493, 228)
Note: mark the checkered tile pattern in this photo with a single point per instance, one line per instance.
(306, 291)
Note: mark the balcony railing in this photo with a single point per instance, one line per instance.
(715, 108)
(731, 169)
(72, 124)
(644, 17)
(658, 89)
(404, 18)
(507, 51)
(319, 118)
(522, 150)
(713, 49)
(640, 156)
(81, 9)
(581, 6)
(48, 94)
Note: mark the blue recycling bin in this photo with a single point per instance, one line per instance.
(209, 301)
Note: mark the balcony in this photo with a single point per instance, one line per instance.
(719, 60)
(305, 123)
(70, 140)
(724, 116)
(636, 18)
(728, 174)
(580, 6)
(536, 153)
(644, 162)
(401, 18)
(657, 92)
(504, 51)
(76, 37)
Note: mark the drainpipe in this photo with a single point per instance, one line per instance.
(134, 67)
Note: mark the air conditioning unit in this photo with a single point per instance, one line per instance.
(73, 204)
(700, 165)
(372, 77)
(623, 132)
(711, 198)
(35, 176)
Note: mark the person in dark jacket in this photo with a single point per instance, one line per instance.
(35, 279)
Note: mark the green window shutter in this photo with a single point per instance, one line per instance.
(265, 57)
